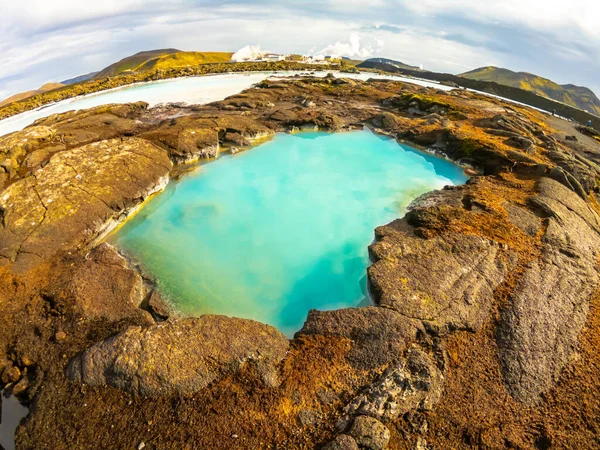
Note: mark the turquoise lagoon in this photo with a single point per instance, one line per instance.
(270, 233)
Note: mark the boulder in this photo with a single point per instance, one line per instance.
(378, 335)
(342, 442)
(103, 286)
(180, 357)
(369, 433)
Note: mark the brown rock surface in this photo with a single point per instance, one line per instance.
(466, 270)
(180, 357)
(415, 383)
(378, 335)
(105, 287)
(538, 331)
(369, 433)
(490, 303)
(77, 197)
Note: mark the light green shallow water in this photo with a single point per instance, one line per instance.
(273, 232)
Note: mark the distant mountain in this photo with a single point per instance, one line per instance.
(23, 95)
(580, 97)
(80, 78)
(391, 62)
(132, 62)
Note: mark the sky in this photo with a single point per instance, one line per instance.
(43, 41)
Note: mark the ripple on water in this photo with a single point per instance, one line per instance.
(271, 233)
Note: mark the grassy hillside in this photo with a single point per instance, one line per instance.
(580, 97)
(132, 62)
(23, 95)
(184, 59)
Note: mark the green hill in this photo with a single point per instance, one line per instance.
(184, 59)
(169, 58)
(580, 97)
(132, 62)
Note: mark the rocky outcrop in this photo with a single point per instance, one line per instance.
(79, 196)
(581, 172)
(24, 147)
(482, 291)
(188, 139)
(466, 270)
(538, 331)
(182, 357)
(415, 383)
(386, 121)
(196, 143)
(378, 335)
(539, 328)
(105, 287)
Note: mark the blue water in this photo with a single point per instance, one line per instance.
(273, 232)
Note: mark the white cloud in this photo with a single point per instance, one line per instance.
(33, 15)
(548, 15)
(44, 41)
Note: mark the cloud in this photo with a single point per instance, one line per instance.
(547, 15)
(44, 41)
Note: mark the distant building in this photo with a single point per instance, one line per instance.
(273, 57)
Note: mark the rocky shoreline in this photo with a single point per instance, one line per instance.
(486, 325)
(94, 86)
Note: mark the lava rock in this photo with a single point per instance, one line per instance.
(180, 357)
(370, 433)
(523, 219)
(378, 335)
(415, 383)
(79, 196)
(386, 121)
(538, 330)
(104, 286)
(342, 442)
(447, 281)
